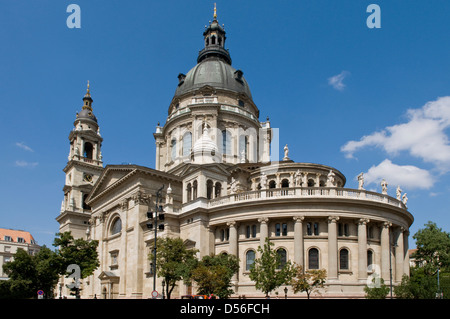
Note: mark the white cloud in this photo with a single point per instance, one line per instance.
(24, 147)
(423, 136)
(406, 176)
(336, 81)
(25, 164)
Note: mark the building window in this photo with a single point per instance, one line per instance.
(218, 190)
(8, 238)
(316, 229)
(369, 259)
(85, 206)
(226, 142)
(272, 184)
(194, 190)
(20, 240)
(343, 259)
(277, 229)
(250, 231)
(222, 235)
(209, 188)
(187, 143)
(308, 229)
(285, 183)
(311, 183)
(282, 257)
(313, 258)
(241, 103)
(173, 148)
(249, 259)
(116, 226)
(88, 150)
(343, 230)
(189, 192)
(284, 229)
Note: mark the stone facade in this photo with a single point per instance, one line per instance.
(223, 193)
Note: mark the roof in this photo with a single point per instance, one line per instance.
(15, 234)
(215, 73)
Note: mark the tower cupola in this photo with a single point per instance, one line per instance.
(214, 37)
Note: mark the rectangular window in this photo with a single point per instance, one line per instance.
(284, 229)
(20, 240)
(316, 229)
(247, 234)
(8, 238)
(277, 230)
(308, 229)
(253, 231)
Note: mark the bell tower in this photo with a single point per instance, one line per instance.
(83, 168)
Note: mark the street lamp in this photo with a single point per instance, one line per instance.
(285, 292)
(155, 226)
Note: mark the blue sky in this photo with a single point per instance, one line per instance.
(358, 99)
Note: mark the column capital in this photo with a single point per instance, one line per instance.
(263, 220)
(333, 219)
(363, 221)
(387, 224)
(298, 219)
(232, 223)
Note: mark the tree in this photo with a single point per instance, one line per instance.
(80, 252)
(433, 248)
(377, 290)
(309, 281)
(213, 275)
(174, 262)
(267, 271)
(28, 274)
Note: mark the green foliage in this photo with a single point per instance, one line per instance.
(174, 262)
(213, 275)
(378, 291)
(267, 272)
(433, 248)
(77, 251)
(28, 274)
(309, 281)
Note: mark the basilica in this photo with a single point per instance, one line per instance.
(223, 192)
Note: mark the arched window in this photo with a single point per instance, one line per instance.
(222, 235)
(88, 150)
(313, 258)
(189, 192)
(272, 184)
(311, 183)
(285, 183)
(209, 188)
(173, 149)
(116, 226)
(249, 259)
(85, 206)
(343, 259)
(213, 40)
(369, 259)
(316, 229)
(187, 143)
(282, 257)
(226, 142)
(218, 190)
(194, 190)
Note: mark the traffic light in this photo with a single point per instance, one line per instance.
(150, 215)
(150, 225)
(153, 221)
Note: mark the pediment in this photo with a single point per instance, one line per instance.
(112, 175)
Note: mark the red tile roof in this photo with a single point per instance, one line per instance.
(15, 234)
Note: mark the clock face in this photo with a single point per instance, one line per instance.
(88, 178)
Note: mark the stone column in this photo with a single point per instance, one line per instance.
(385, 251)
(263, 230)
(362, 249)
(332, 248)
(406, 255)
(298, 241)
(233, 243)
(399, 258)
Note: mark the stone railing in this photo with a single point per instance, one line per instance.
(309, 192)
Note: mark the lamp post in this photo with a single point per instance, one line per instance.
(285, 292)
(158, 195)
